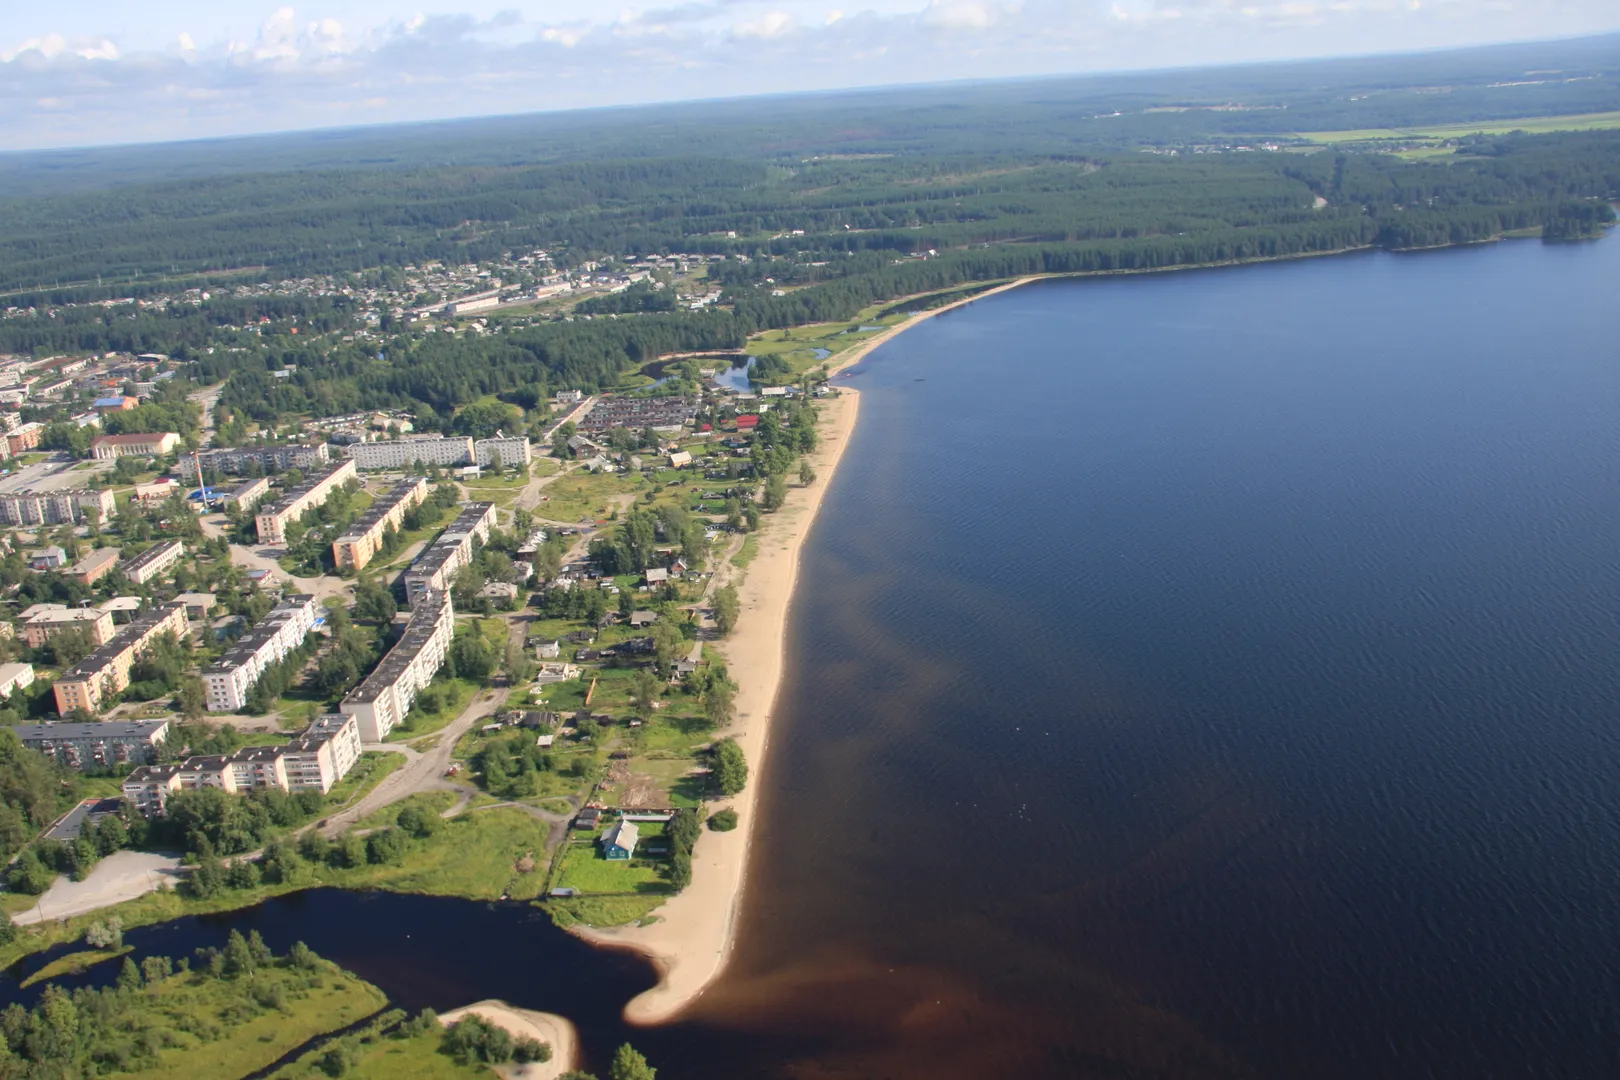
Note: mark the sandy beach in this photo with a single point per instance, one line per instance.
(554, 1031)
(694, 933)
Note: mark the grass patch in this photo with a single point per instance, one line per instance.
(601, 911)
(190, 1009)
(385, 1058)
(435, 801)
(367, 773)
(583, 868)
(451, 698)
(746, 553)
(73, 963)
(1536, 125)
(581, 494)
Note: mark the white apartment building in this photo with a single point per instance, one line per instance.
(297, 501)
(14, 677)
(324, 754)
(228, 680)
(54, 507)
(151, 563)
(314, 761)
(384, 698)
(438, 563)
(404, 453)
(511, 451)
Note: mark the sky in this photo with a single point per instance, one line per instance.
(89, 72)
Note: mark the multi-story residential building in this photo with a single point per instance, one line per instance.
(250, 494)
(105, 672)
(83, 746)
(112, 447)
(115, 403)
(151, 563)
(314, 761)
(25, 437)
(403, 453)
(228, 680)
(270, 458)
(363, 539)
(54, 507)
(438, 563)
(14, 677)
(296, 501)
(94, 566)
(324, 754)
(257, 767)
(96, 624)
(509, 451)
(384, 698)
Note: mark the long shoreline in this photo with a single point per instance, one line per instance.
(693, 937)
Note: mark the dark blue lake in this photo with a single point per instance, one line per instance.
(1211, 674)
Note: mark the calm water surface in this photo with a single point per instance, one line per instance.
(1209, 675)
(1195, 676)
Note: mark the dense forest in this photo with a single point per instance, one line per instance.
(816, 208)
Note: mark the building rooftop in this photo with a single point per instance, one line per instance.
(155, 553)
(379, 510)
(298, 491)
(435, 555)
(110, 729)
(246, 647)
(418, 632)
(142, 625)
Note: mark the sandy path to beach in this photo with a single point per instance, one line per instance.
(554, 1031)
(693, 937)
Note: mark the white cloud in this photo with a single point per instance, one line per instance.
(773, 24)
(961, 14)
(304, 66)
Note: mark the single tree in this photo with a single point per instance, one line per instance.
(807, 472)
(629, 1065)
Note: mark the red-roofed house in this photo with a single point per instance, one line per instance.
(747, 423)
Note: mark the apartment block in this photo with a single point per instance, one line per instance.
(154, 444)
(510, 451)
(151, 563)
(54, 507)
(83, 746)
(439, 561)
(14, 677)
(269, 458)
(250, 494)
(25, 437)
(41, 627)
(298, 500)
(228, 680)
(105, 672)
(314, 761)
(363, 539)
(323, 754)
(403, 453)
(384, 698)
(94, 566)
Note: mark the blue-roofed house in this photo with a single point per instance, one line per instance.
(620, 841)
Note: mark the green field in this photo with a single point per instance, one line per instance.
(190, 1010)
(1539, 125)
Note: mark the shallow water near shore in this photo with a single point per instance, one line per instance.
(1192, 676)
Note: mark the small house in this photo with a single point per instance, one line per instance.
(620, 841)
(549, 650)
(657, 576)
(638, 619)
(588, 818)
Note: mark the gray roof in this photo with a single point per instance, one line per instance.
(110, 729)
(624, 834)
